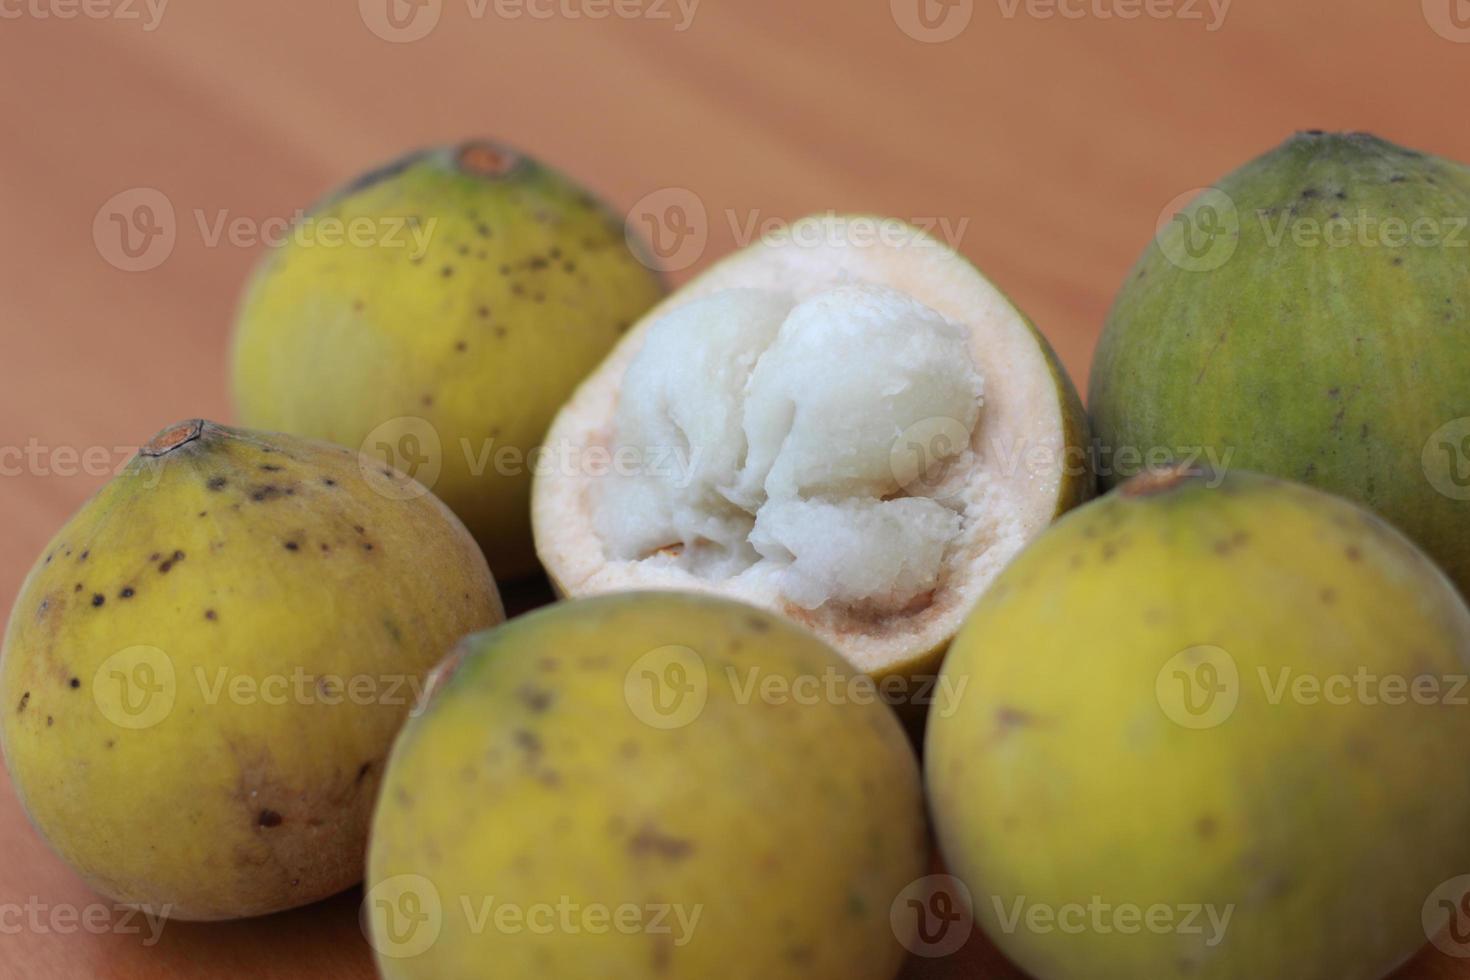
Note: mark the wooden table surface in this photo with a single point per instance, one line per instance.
(1049, 142)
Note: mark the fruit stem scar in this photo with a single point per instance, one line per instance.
(482, 159)
(1160, 480)
(173, 437)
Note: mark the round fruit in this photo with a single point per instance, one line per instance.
(203, 674)
(648, 784)
(847, 424)
(465, 292)
(1310, 318)
(1215, 729)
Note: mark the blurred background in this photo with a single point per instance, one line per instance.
(153, 149)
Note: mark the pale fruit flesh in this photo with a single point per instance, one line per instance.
(858, 433)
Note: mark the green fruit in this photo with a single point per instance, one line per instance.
(595, 790)
(1238, 706)
(203, 674)
(478, 291)
(1309, 318)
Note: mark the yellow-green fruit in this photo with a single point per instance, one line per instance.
(1216, 728)
(437, 313)
(203, 674)
(645, 785)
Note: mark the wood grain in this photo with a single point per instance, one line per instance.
(1052, 142)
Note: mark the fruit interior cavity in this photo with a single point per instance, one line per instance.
(774, 442)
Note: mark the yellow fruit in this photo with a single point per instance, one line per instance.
(643, 785)
(436, 313)
(846, 423)
(1212, 731)
(204, 672)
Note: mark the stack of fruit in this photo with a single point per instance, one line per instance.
(1213, 724)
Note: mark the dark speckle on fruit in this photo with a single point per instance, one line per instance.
(535, 699)
(74, 683)
(292, 546)
(651, 842)
(217, 483)
(98, 598)
(1353, 554)
(757, 625)
(25, 699)
(126, 593)
(211, 615)
(268, 818)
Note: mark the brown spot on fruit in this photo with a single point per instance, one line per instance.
(25, 699)
(74, 683)
(535, 699)
(269, 818)
(98, 599)
(211, 615)
(651, 842)
(1206, 827)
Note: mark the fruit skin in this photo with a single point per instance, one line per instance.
(525, 283)
(1325, 825)
(790, 827)
(1334, 366)
(217, 790)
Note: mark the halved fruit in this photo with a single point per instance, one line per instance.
(845, 423)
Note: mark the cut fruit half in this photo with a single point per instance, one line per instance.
(845, 423)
